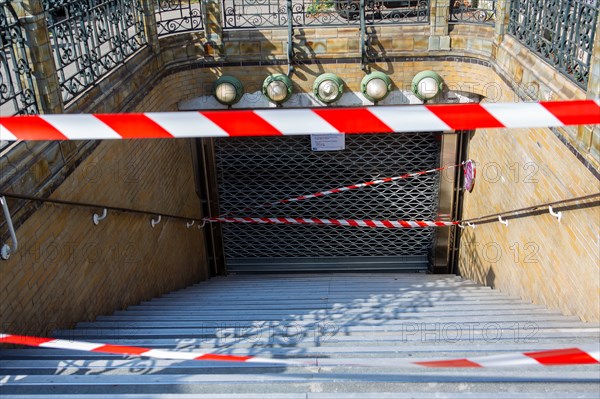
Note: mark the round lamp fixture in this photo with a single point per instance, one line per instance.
(376, 86)
(426, 85)
(278, 88)
(328, 88)
(228, 90)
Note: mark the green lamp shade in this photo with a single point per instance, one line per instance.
(427, 84)
(228, 90)
(278, 88)
(328, 88)
(376, 86)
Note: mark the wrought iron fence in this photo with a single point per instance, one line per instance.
(16, 85)
(274, 13)
(560, 31)
(91, 37)
(174, 16)
(473, 11)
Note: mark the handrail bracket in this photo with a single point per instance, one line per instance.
(6, 249)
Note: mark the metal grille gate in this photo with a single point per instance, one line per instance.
(257, 170)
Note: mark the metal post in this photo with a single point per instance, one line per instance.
(290, 27)
(364, 61)
(6, 250)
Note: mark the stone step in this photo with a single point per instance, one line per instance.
(169, 316)
(420, 308)
(332, 395)
(342, 321)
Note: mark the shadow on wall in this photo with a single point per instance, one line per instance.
(471, 264)
(306, 50)
(306, 68)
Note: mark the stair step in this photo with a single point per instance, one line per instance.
(125, 316)
(433, 307)
(358, 381)
(331, 395)
(108, 367)
(342, 321)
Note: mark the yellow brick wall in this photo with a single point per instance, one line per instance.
(68, 270)
(315, 43)
(535, 257)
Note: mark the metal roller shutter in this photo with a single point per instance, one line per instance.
(258, 170)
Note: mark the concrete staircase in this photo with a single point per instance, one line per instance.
(337, 318)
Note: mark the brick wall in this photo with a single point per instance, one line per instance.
(535, 257)
(68, 270)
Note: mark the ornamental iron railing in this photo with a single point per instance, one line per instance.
(175, 16)
(89, 38)
(273, 13)
(16, 85)
(560, 31)
(473, 11)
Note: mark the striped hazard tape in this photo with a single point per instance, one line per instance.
(348, 188)
(558, 357)
(389, 224)
(124, 350)
(270, 122)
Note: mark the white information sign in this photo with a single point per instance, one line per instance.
(328, 142)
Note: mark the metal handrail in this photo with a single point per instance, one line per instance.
(100, 206)
(6, 250)
(514, 212)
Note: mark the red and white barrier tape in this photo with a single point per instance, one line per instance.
(389, 224)
(269, 122)
(346, 188)
(123, 350)
(557, 357)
